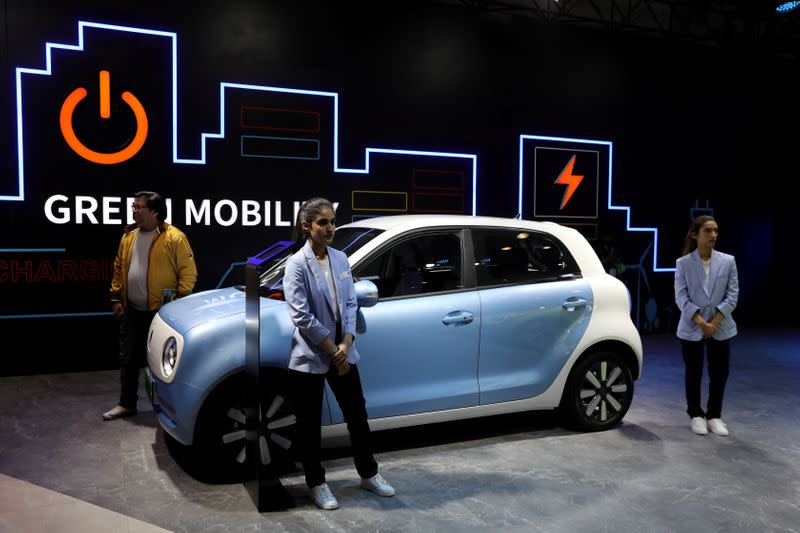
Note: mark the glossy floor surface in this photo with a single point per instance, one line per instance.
(516, 472)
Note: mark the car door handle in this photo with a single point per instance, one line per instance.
(458, 318)
(571, 304)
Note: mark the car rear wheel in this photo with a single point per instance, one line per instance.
(220, 438)
(598, 392)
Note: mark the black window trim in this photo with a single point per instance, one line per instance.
(574, 271)
(468, 276)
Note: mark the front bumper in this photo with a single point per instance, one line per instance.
(176, 406)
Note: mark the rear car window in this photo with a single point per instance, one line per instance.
(512, 256)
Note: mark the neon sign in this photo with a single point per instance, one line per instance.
(65, 121)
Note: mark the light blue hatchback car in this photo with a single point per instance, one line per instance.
(474, 316)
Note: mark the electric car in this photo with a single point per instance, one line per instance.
(459, 317)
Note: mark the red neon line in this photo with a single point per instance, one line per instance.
(244, 125)
(460, 174)
(459, 196)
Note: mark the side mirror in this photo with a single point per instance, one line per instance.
(366, 293)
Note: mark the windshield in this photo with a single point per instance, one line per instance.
(348, 240)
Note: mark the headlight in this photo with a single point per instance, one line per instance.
(169, 356)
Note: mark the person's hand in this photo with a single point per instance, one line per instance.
(340, 359)
(343, 368)
(708, 329)
(117, 309)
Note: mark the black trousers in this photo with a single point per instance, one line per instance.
(307, 392)
(718, 354)
(133, 328)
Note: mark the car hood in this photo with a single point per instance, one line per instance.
(185, 313)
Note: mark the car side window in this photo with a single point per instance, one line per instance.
(421, 265)
(511, 256)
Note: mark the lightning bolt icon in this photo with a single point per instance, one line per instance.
(570, 180)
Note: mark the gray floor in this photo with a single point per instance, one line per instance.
(519, 472)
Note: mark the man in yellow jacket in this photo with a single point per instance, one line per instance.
(154, 264)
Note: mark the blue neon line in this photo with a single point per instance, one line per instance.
(212, 135)
(611, 206)
(55, 315)
(32, 250)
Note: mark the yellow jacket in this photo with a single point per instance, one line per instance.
(169, 266)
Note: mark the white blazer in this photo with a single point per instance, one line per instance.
(310, 306)
(691, 297)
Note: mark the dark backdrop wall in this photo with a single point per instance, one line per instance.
(413, 107)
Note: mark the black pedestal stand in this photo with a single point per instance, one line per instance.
(263, 484)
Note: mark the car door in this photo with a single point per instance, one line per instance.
(419, 343)
(535, 308)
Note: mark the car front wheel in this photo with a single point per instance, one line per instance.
(598, 392)
(220, 437)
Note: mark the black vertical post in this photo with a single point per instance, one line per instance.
(263, 484)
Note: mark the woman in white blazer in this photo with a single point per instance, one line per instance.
(706, 291)
(321, 298)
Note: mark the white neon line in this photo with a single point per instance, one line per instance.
(519, 203)
(210, 135)
(128, 29)
(611, 207)
(565, 139)
(47, 71)
(175, 99)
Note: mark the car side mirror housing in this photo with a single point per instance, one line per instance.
(366, 293)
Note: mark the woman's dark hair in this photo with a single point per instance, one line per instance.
(155, 202)
(307, 212)
(690, 243)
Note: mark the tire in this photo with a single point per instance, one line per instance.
(598, 392)
(220, 436)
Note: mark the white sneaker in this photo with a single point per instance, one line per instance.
(699, 425)
(717, 427)
(378, 485)
(322, 497)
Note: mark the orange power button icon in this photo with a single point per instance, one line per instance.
(113, 158)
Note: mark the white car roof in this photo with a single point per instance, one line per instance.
(577, 243)
(407, 222)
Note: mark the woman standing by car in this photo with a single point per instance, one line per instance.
(320, 294)
(706, 291)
